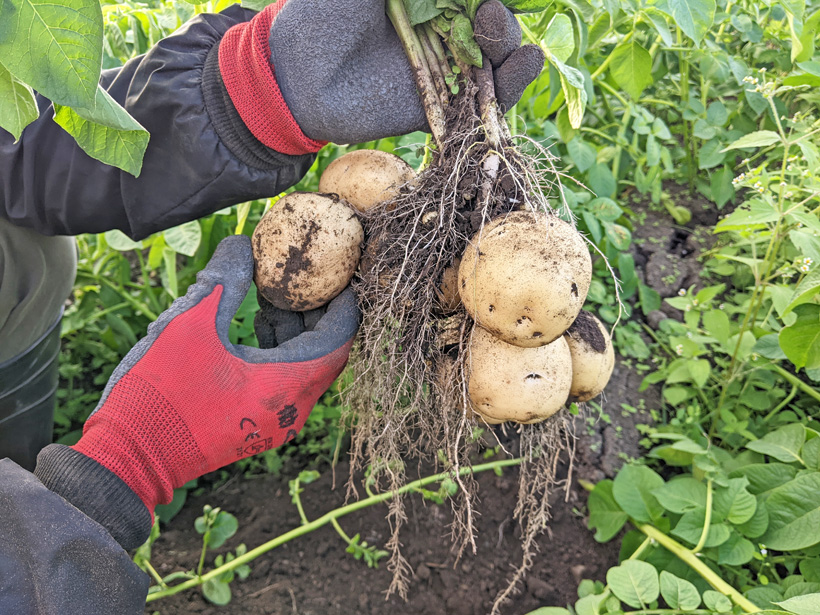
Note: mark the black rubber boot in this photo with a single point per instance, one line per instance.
(28, 391)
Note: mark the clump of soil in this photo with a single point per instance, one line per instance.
(585, 328)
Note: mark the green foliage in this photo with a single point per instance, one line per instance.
(747, 516)
(216, 526)
(18, 108)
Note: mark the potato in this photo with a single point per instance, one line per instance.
(510, 383)
(447, 292)
(365, 177)
(306, 249)
(525, 277)
(593, 358)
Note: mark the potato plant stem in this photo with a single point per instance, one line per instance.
(438, 50)
(692, 560)
(794, 380)
(435, 67)
(707, 521)
(324, 520)
(488, 104)
(424, 79)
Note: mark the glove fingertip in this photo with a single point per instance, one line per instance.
(513, 77)
(497, 31)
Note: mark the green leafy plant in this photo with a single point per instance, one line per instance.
(733, 533)
(216, 526)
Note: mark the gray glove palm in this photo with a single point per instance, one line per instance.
(344, 75)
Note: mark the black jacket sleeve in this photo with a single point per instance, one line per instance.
(54, 560)
(200, 158)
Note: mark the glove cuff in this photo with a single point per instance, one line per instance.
(244, 62)
(96, 491)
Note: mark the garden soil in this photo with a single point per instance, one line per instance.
(313, 575)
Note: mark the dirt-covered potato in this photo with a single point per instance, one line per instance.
(366, 177)
(510, 383)
(593, 358)
(447, 292)
(306, 249)
(524, 278)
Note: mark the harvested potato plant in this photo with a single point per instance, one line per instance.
(410, 394)
(306, 249)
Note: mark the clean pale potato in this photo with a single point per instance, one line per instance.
(593, 357)
(525, 277)
(365, 177)
(510, 383)
(306, 249)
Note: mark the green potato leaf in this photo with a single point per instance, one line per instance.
(764, 477)
(462, 41)
(802, 605)
(55, 47)
(527, 6)
(783, 444)
(631, 67)
(801, 340)
(633, 491)
(634, 582)
(106, 132)
(694, 17)
(420, 11)
(18, 107)
(605, 515)
(558, 37)
(682, 495)
(736, 551)
(794, 514)
(679, 593)
(760, 138)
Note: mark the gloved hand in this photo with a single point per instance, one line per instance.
(340, 72)
(185, 401)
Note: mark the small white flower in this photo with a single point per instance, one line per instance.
(694, 301)
(688, 308)
(689, 334)
(681, 292)
(808, 260)
(804, 268)
(679, 349)
(783, 184)
(722, 306)
(789, 194)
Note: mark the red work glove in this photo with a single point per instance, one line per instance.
(185, 401)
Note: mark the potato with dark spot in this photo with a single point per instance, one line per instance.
(593, 357)
(524, 277)
(510, 383)
(306, 249)
(366, 177)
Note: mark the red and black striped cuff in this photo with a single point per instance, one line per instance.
(249, 77)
